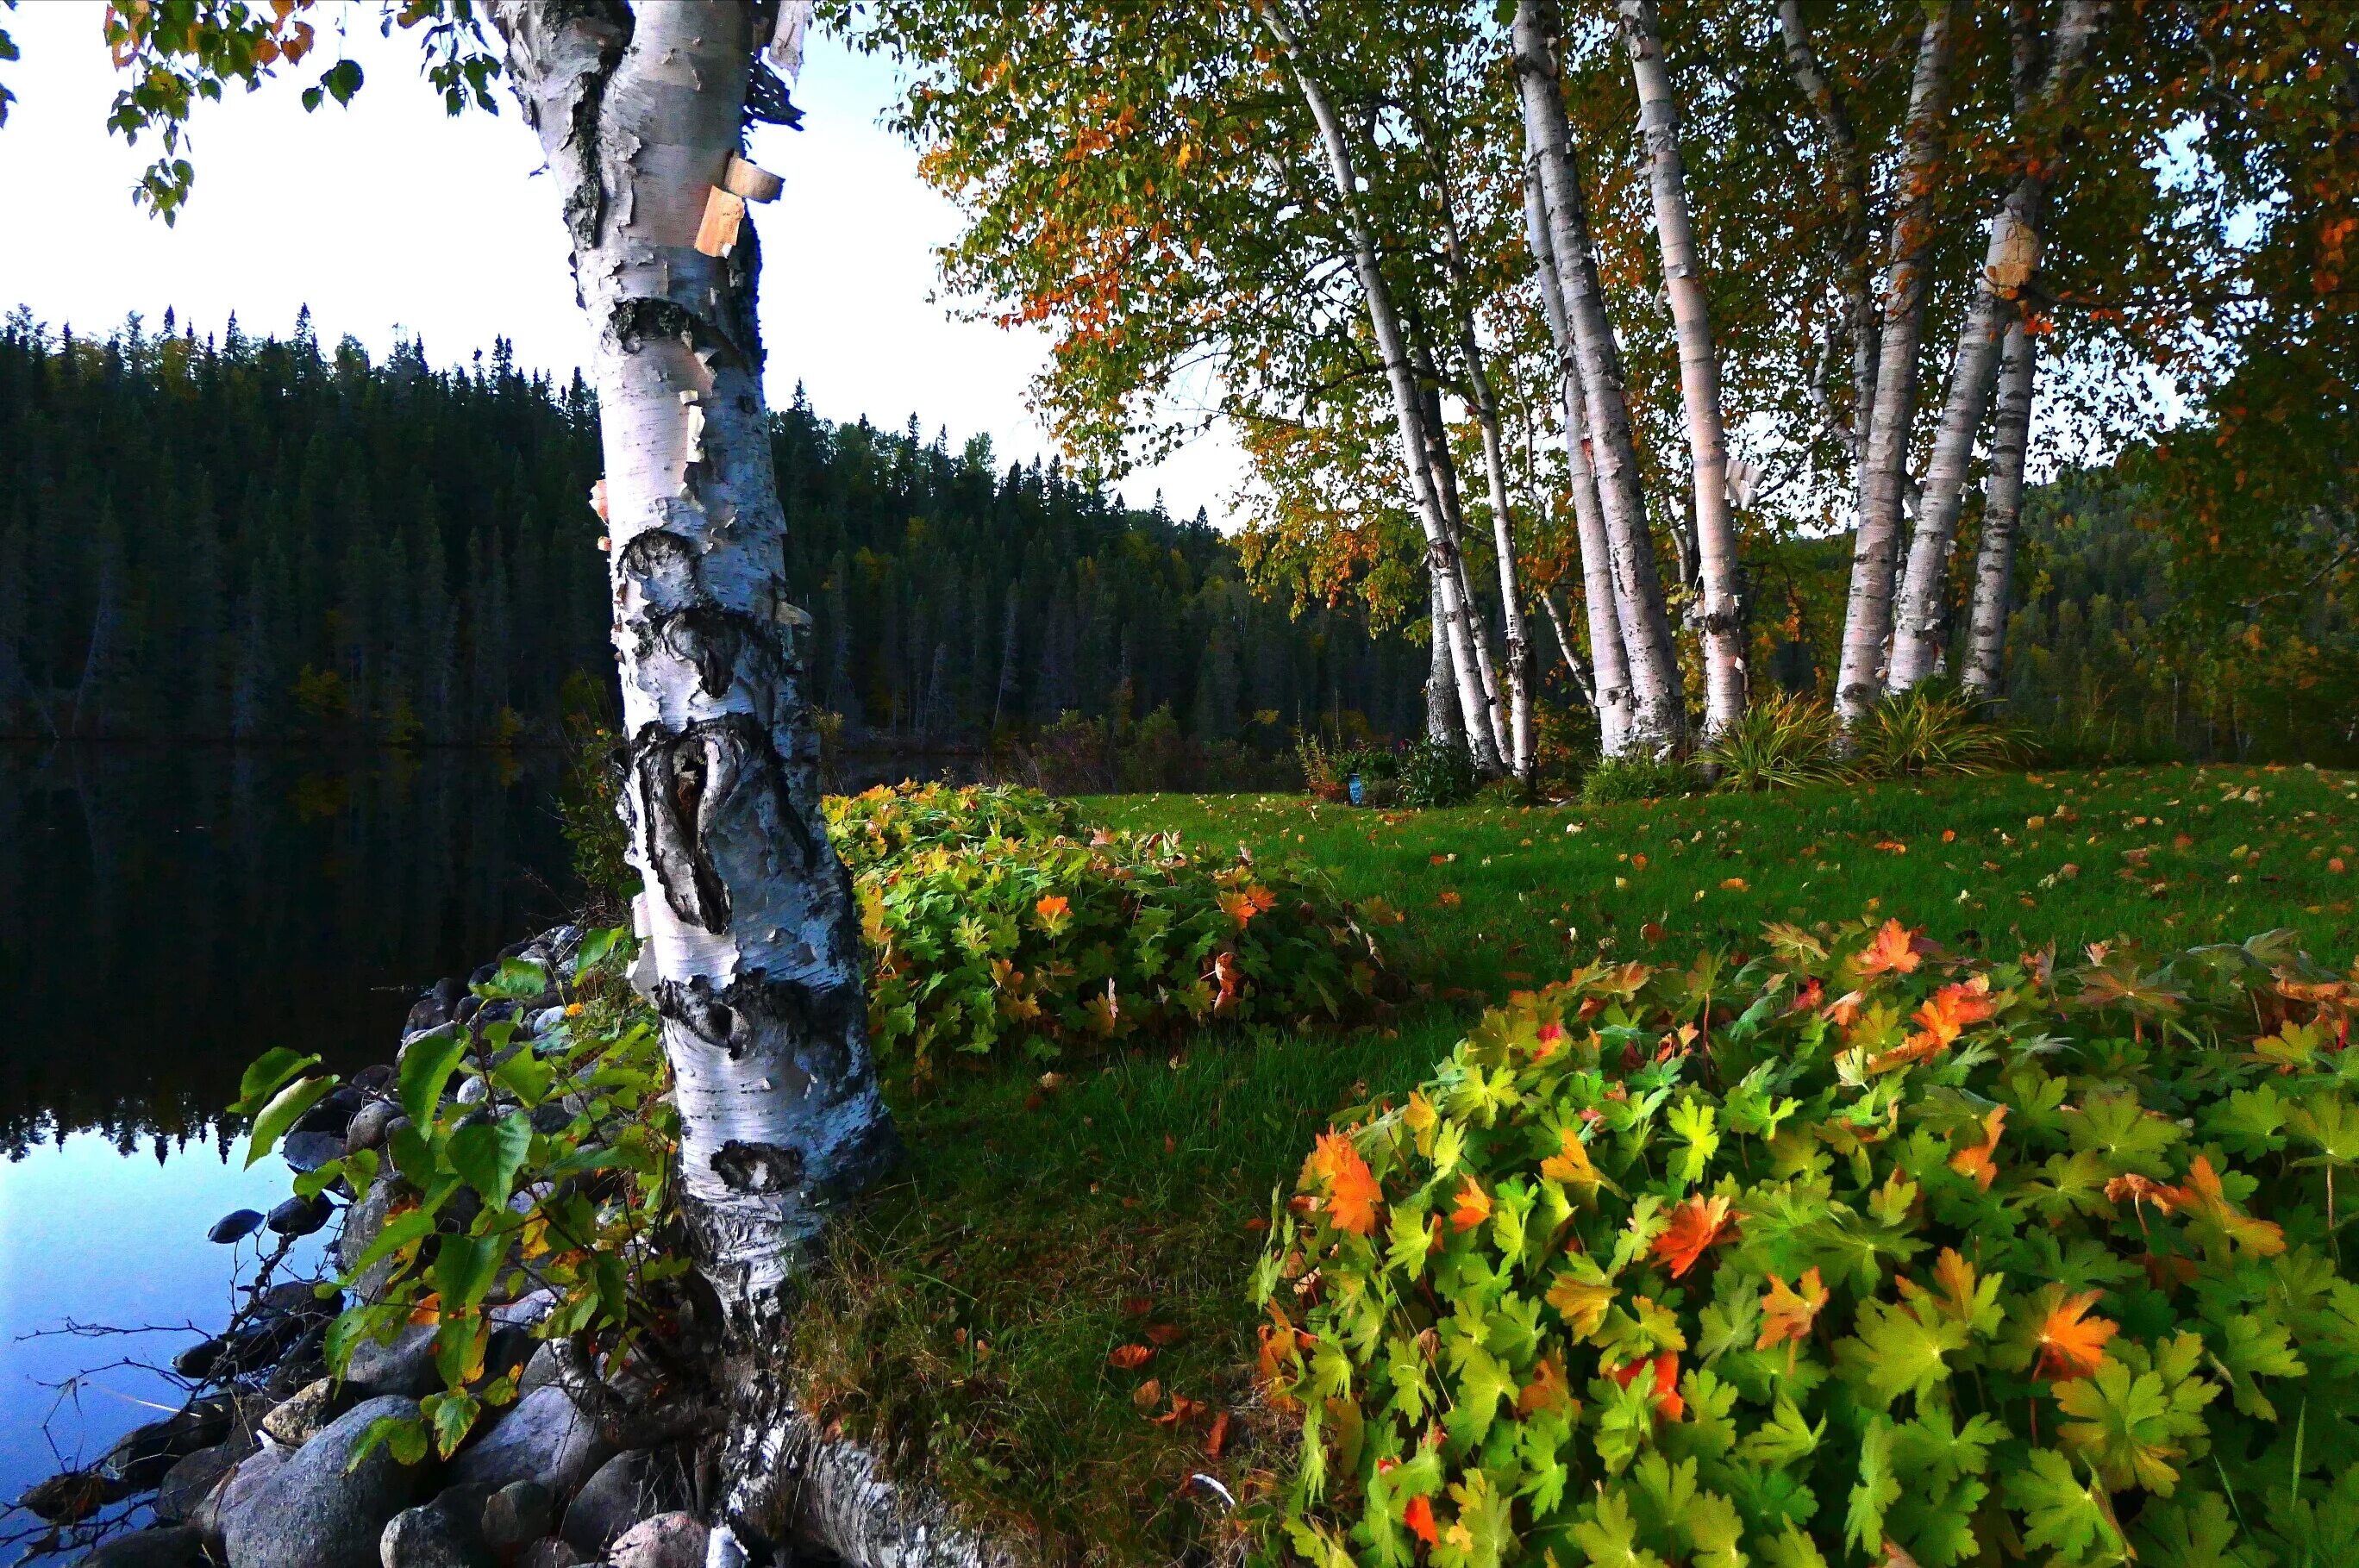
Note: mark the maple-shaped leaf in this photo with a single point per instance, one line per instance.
(2059, 1510)
(1418, 1518)
(1877, 1488)
(1548, 1390)
(2130, 1424)
(1957, 1294)
(2071, 1342)
(1473, 1205)
(1570, 1164)
(1352, 1191)
(1979, 1160)
(1696, 1224)
(1892, 950)
(1581, 1295)
(1788, 1313)
(1900, 1351)
(2206, 1198)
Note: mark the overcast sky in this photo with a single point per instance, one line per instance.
(390, 215)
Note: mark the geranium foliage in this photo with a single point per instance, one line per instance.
(994, 923)
(1858, 1250)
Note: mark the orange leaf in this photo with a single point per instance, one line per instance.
(1166, 1334)
(1571, 1163)
(2071, 1342)
(2205, 1196)
(1893, 949)
(1450, 898)
(1473, 1207)
(1218, 1438)
(1130, 1357)
(1651, 931)
(1787, 1314)
(1148, 1395)
(1547, 1391)
(1419, 1517)
(1977, 1160)
(1695, 1225)
(1352, 1191)
(1052, 906)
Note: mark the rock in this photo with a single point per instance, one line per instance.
(320, 1510)
(200, 1358)
(331, 1114)
(516, 1513)
(431, 1537)
(542, 1370)
(474, 1091)
(509, 1350)
(550, 1552)
(73, 1497)
(667, 1540)
(363, 1221)
(296, 1421)
(404, 1367)
(433, 1006)
(187, 1482)
(369, 1123)
(626, 1488)
(295, 1296)
(307, 1151)
(210, 1518)
(141, 1456)
(300, 1217)
(547, 1019)
(235, 1226)
(545, 1438)
(550, 1116)
(170, 1546)
(527, 1309)
(374, 1079)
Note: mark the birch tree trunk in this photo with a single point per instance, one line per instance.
(1858, 282)
(749, 915)
(1658, 708)
(1920, 621)
(1572, 664)
(1722, 624)
(1453, 514)
(1867, 616)
(2002, 517)
(1503, 538)
(1610, 694)
(1442, 552)
(1441, 688)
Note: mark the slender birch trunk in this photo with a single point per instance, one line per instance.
(1610, 696)
(1858, 281)
(1440, 691)
(1503, 538)
(1658, 708)
(1722, 624)
(1441, 554)
(1867, 617)
(2002, 516)
(749, 915)
(1573, 663)
(1920, 621)
(1453, 512)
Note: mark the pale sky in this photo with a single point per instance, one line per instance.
(389, 215)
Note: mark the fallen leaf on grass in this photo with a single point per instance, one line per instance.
(1218, 1438)
(1166, 1334)
(1138, 1306)
(1148, 1395)
(1130, 1357)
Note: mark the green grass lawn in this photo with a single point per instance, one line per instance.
(1039, 1230)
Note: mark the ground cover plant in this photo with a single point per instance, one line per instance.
(1863, 1251)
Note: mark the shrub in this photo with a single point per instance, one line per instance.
(1436, 772)
(1033, 937)
(1858, 1251)
(1782, 741)
(1934, 729)
(1619, 779)
(889, 821)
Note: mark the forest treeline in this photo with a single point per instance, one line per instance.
(232, 537)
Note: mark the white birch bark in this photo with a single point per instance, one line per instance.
(1610, 694)
(752, 927)
(1440, 687)
(1658, 708)
(1920, 620)
(1453, 512)
(1858, 280)
(1868, 615)
(1503, 538)
(1441, 555)
(1722, 624)
(2002, 517)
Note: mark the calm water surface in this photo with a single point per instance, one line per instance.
(164, 916)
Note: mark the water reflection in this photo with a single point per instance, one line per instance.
(165, 915)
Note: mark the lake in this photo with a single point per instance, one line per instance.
(164, 916)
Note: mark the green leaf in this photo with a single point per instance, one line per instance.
(1901, 1353)
(266, 1074)
(526, 1076)
(403, 1230)
(1609, 1537)
(517, 980)
(426, 1066)
(488, 1154)
(1877, 1490)
(454, 1415)
(464, 1268)
(2059, 1510)
(404, 1435)
(1784, 1438)
(284, 1110)
(596, 944)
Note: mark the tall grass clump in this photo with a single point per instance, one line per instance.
(1783, 741)
(1932, 730)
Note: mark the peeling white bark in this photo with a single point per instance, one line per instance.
(2002, 517)
(1722, 623)
(1868, 615)
(802, 1483)
(752, 927)
(1658, 708)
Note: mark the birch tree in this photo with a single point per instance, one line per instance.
(747, 915)
(1722, 621)
(1868, 615)
(1920, 619)
(1993, 587)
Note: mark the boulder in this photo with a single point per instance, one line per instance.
(235, 1226)
(363, 1221)
(625, 1489)
(405, 1366)
(431, 1537)
(518, 1512)
(545, 1438)
(550, 1552)
(667, 1540)
(320, 1510)
(141, 1456)
(369, 1125)
(210, 1516)
(299, 1217)
(189, 1482)
(71, 1498)
(307, 1151)
(169, 1546)
(295, 1421)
